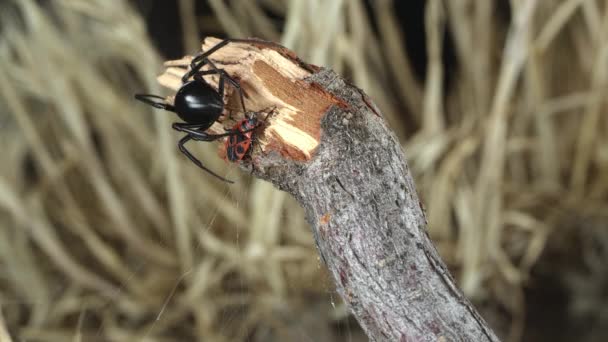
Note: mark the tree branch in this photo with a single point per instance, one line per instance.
(327, 144)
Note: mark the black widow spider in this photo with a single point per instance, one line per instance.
(199, 104)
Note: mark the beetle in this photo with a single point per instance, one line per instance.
(200, 105)
(238, 144)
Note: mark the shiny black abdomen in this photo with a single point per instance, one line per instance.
(198, 103)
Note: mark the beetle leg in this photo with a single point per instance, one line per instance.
(184, 150)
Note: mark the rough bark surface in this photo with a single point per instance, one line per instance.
(360, 200)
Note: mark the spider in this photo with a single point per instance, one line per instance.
(199, 105)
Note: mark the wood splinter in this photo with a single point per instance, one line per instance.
(327, 145)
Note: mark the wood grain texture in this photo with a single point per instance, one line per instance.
(328, 146)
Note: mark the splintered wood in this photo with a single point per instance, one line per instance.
(274, 86)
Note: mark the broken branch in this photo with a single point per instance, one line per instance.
(327, 145)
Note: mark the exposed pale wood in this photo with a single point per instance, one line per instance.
(4, 335)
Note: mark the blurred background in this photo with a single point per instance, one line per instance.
(107, 233)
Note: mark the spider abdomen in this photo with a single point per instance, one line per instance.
(198, 103)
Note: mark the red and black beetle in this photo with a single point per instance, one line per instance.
(239, 142)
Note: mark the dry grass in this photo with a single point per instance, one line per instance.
(106, 233)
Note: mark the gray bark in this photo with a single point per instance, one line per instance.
(370, 228)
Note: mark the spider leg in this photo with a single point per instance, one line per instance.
(193, 130)
(148, 99)
(235, 84)
(201, 59)
(197, 135)
(184, 150)
(202, 136)
(223, 77)
(179, 126)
